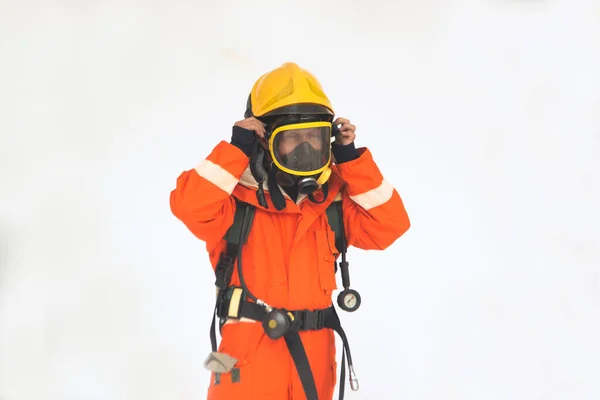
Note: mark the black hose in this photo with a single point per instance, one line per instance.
(344, 264)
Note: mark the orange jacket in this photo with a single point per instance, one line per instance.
(288, 260)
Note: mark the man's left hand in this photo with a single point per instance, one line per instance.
(346, 135)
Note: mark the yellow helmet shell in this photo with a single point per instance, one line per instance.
(285, 86)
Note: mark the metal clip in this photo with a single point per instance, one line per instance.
(353, 378)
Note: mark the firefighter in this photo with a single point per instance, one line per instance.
(289, 159)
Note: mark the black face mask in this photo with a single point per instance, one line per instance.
(304, 157)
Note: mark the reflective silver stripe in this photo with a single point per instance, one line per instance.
(375, 197)
(217, 175)
(237, 321)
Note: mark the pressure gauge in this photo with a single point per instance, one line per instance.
(349, 300)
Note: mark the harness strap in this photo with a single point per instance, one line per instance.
(335, 223)
(303, 319)
(226, 264)
(296, 349)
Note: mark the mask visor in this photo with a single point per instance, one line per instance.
(302, 149)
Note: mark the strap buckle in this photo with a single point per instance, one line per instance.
(312, 320)
(230, 303)
(222, 302)
(223, 271)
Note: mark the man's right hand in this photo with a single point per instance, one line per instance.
(252, 124)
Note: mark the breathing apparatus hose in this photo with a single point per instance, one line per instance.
(344, 264)
(346, 284)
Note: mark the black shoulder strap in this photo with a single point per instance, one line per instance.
(226, 262)
(335, 223)
(224, 269)
(233, 233)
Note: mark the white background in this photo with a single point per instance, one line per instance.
(483, 114)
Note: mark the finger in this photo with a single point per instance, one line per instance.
(348, 128)
(263, 129)
(259, 129)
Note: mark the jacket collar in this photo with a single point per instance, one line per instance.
(246, 191)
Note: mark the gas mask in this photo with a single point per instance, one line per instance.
(301, 153)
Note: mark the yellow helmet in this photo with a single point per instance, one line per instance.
(287, 89)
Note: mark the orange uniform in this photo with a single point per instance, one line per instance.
(287, 260)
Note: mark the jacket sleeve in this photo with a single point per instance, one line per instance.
(202, 198)
(374, 214)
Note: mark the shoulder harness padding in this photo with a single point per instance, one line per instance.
(334, 212)
(233, 233)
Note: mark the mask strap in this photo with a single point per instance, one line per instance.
(325, 188)
(324, 177)
(276, 195)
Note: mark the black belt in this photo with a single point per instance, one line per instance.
(303, 320)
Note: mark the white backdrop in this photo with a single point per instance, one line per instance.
(483, 114)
